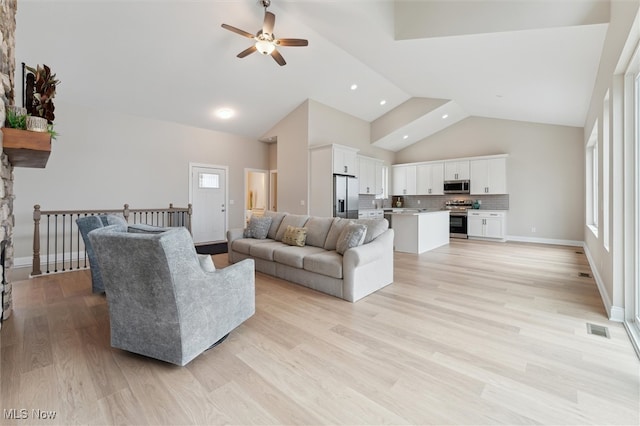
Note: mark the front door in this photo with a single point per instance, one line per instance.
(208, 199)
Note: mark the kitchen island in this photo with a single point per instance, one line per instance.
(417, 231)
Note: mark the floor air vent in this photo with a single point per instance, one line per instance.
(598, 330)
(584, 275)
(579, 252)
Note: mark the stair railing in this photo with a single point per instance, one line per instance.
(61, 233)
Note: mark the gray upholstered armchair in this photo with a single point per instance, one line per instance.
(164, 302)
(87, 224)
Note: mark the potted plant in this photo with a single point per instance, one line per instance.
(16, 117)
(40, 90)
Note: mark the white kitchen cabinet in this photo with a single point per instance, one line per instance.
(456, 170)
(489, 224)
(430, 179)
(404, 180)
(345, 160)
(370, 175)
(488, 176)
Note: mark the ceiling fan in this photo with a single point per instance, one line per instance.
(265, 41)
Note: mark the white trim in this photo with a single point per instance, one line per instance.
(634, 333)
(23, 262)
(614, 313)
(544, 241)
(27, 263)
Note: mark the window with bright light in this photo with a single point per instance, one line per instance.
(636, 139)
(385, 183)
(606, 147)
(592, 180)
(208, 181)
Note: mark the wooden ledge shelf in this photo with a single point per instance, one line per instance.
(26, 148)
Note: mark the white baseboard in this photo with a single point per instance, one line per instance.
(615, 313)
(545, 241)
(22, 262)
(27, 262)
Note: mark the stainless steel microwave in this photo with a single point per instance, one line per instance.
(456, 186)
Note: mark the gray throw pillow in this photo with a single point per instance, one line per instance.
(258, 228)
(351, 236)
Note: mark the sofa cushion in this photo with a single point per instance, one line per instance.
(327, 263)
(243, 245)
(375, 227)
(317, 230)
(351, 236)
(294, 256)
(258, 227)
(265, 251)
(276, 220)
(297, 220)
(295, 236)
(337, 226)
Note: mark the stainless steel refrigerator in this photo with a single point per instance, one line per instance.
(345, 196)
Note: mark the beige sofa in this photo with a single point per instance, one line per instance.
(357, 273)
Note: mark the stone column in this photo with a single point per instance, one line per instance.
(8, 10)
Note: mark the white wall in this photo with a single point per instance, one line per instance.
(102, 160)
(608, 264)
(328, 125)
(292, 158)
(545, 171)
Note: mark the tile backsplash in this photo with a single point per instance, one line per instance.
(489, 202)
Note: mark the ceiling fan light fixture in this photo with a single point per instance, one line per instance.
(265, 47)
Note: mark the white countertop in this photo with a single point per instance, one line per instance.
(408, 211)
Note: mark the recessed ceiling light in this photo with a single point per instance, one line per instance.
(354, 86)
(382, 102)
(225, 113)
(405, 137)
(445, 116)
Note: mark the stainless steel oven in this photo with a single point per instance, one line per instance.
(458, 217)
(458, 224)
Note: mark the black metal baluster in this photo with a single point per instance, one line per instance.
(55, 244)
(63, 238)
(48, 242)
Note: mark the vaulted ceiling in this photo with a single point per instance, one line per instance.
(171, 60)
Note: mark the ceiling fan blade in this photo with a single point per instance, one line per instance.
(237, 31)
(292, 42)
(269, 22)
(278, 57)
(247, 52)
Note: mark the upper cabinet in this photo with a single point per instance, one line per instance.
(404, 180)
(429, 179)
(456, 170)
(345, 160)
(488, 176)
(370, 175)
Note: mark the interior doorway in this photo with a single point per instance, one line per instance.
(273, 190)
(256, 192)
(208, 197)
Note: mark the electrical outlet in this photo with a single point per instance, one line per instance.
(533, 229)
(418, 201)
(302, 202)
(231, 202)
(373, 202)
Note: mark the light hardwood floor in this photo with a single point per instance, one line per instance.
(470, 333)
